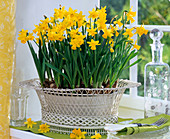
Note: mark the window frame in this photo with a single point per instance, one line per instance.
(133, 96)
(133, 100)
(133, 70)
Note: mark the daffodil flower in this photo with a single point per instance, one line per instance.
(96, 136)
(59, 13)
(72, 136)
(93, 14)
(107, 33)
(44, 128)
(111, 50)
(29, 123)
(93, 44)
(129, 32)
(77, 134)
(136, 46)
(130, 15)
(92, 31)
(141, 30)
(119, 22)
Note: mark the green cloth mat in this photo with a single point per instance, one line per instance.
(49, 134)
(150, 120)
(55, 135)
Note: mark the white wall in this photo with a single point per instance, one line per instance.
(28, 13)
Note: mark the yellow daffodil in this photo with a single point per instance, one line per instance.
(111, 50)
(72, 12)
(111, 42)
(93, 44)
(77, 134)
(80, 16)
(102, 13)
(73, 33)
(101, 24)
(117, 33)
(77, 40)
(80, 38)
(23, 36)
(114, 30)
(118, 22)
(74, 44)
(72, 136)
(30, 36)
(101, 21)
(96, 136)
(62, 26)
(24, 31)
(80, 19)
(136, 46)
(93, 14)
(129, 32)
(52, 20)
(69, 22)
(133, 14)
(92, 31)
(107, 33)
(59, 13)
(141, 30)
(29, 123)
(44, 128)
(60, 36)
(43, 26)
(45, 21)
(36, 29)
(51, 35)
(74, 47)
(130, 15)
(41, 29)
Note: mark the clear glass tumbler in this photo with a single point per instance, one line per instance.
(18, 109)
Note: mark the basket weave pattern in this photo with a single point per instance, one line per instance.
(84, 108)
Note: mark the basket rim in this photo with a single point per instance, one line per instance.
(35, 84)
(68, 126)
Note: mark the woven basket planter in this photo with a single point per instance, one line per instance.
(84, 108)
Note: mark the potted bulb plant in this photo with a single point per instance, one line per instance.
(79, 62)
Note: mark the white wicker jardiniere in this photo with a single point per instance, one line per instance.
(86, 108)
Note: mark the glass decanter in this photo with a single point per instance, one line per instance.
(156, 80)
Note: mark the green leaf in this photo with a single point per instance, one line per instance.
(56, 69)
(37, 62)
(137, 61)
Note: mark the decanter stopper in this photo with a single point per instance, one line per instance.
(156, 35)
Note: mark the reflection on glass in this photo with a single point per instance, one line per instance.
(145, 54)
(114, 7)
(154, 12)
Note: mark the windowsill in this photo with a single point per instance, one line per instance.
(131, 107)
(136, 103)
(18, 134)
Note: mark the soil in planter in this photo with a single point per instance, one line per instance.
(51, 84)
